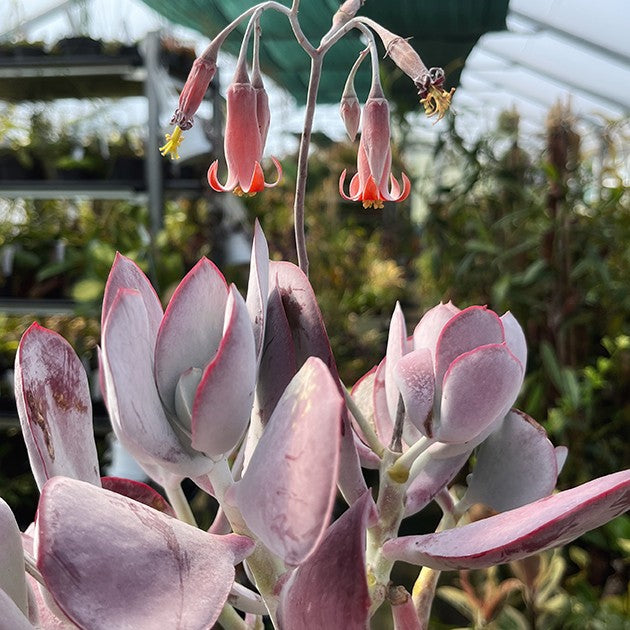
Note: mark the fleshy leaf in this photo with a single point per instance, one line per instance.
(515, 338)
(329, 589)
(479, 389)
(427, 332)
(397, 347)
(111, 562)
(191, 329)
(138, 491)
(435, 473)
(55, 409)
(12, 575)
(363, 395)
(258, 286)
(516, 465)
(224, 398)
(125, 274)
(522, 532)
(296, 463)
(414, 376)
(133, 401)
(473, 327)
(11, 617)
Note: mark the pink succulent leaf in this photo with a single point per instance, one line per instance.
(93, 545)
(515, 465)
(125, 274)
(473, 327)
(524, 531)
(138, 491)
(191, 329)
(435, 473)
(415, 380)
(515, 338)
(53, 401)
(11, 617)
(397, 347)
(296, 462)
(363, 395)
(427, 332)
(310, 339)
(383, 421)
(479, 389)
(12, 575)
(258, 286)
(329, 589)
(404, 613)
(134, 404)
(223, 402)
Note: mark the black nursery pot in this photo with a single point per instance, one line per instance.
(78, 46)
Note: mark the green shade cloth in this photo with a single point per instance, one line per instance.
(442, 31)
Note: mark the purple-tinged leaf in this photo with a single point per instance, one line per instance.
(404, 612)
(305, 319)
(111, 562)
(562, 452)
(12, 576)
(311, 340)
(11, 617)
(125, 274)
(383, 421)
(397, 347)
(479, 388)
(415, 379)
(435, 473)
(138, 491)
(473, 327)
(224, 398)
(191, 329)
(278, 364)
(53, 401)
(515, 338)
(549, 522)
(329, 589)
(516, 465)
(428, 330)
(258, 286)
(287, 492)
(134, 404)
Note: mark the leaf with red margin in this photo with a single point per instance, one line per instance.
(288, 490)
(549, 522)
(111, 562)
(191, 329)
(12, 575)
(134, 404)
(329, 589)
(53, 401)
(223, 402)
(138, 491)
(125, 274)
(258, 286)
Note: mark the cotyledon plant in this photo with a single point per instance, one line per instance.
(243, 397)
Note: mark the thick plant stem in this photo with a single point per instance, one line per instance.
(229, 619)
(302, 168)
(424, 593)
(177, 499)
(391, 509)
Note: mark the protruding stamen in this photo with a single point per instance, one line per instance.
(172, 144)
(437, 101)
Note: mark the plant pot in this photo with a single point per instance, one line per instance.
(78, 46)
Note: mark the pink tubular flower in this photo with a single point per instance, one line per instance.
(371, 184)
(244, 139)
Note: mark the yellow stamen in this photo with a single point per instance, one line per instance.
(377, 204)
(172, 144)
(238, 191)
(437, 101)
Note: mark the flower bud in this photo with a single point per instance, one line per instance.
(350, 111)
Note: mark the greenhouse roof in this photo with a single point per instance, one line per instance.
(442, 32)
